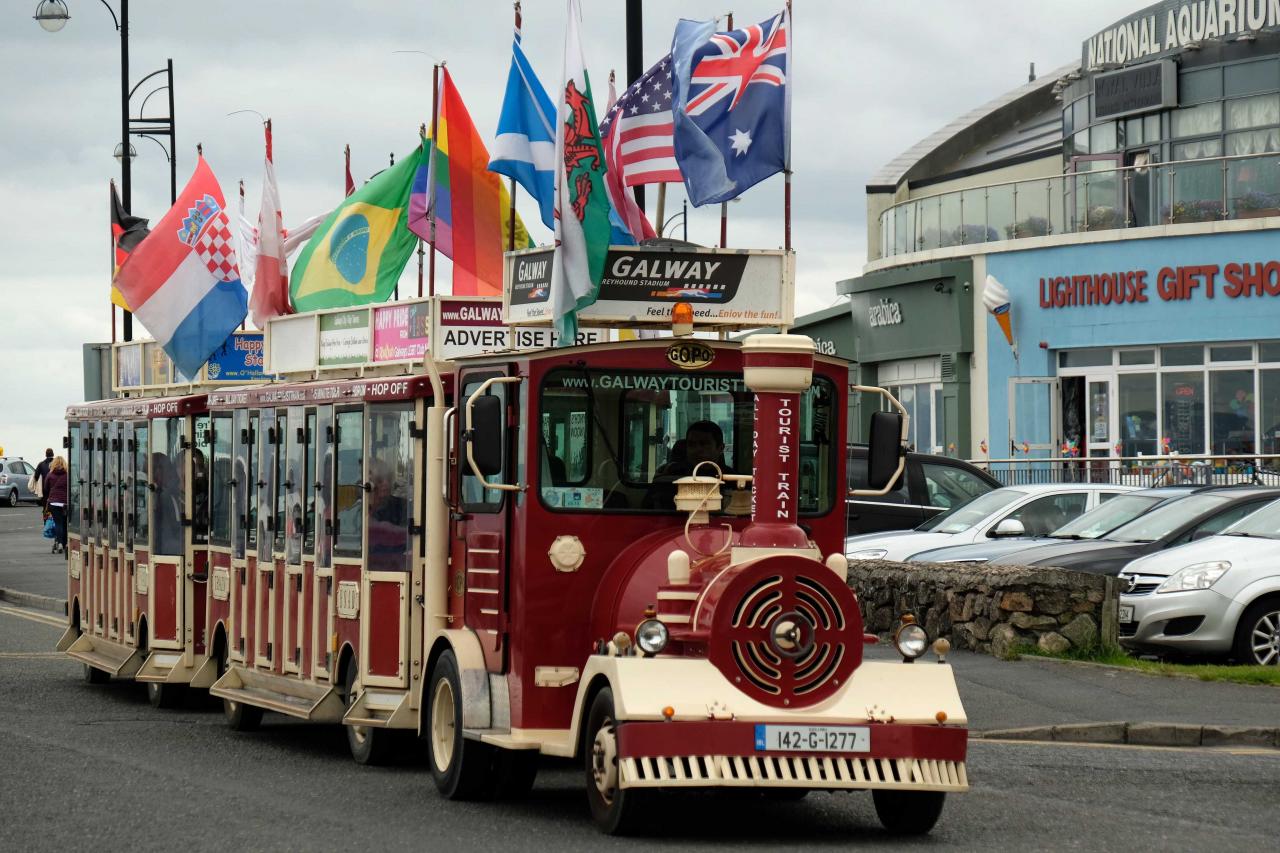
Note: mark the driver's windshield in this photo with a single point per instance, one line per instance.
(618, 439)
(1107, 517)
(1163, 520)
(961, 518)
(1265, 523)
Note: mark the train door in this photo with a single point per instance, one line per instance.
(221, 490)
(99, 540)
(163, 579)
(75, 498)
(138, 521)
(324, 442)
(125, 509)
(114, 519)
(389, 531)
(479, 543)
(244, 494)
(264, 601)
(348, 529)
(291, 522)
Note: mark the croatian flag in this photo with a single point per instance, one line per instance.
(183, 281)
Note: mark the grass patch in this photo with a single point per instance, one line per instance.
(1117, 656)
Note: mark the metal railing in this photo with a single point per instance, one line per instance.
(1142, 471)
(1206, 190)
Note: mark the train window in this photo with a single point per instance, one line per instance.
(111, 485)
(281, 520)
(292, 487)
(263, 474)
(565, 454)
(308, 486)
(200, 451)
(349, 485)
(325, 442)
(166, 477)
(74, 476)
(476, 498)
(141, 522)
(390, 487)
(644, 430)
(241, 479)
(220, 482)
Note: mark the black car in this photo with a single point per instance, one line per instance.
(928, 485)
(1204, 513)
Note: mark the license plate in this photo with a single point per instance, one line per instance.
(813, 738)
(1126, 612)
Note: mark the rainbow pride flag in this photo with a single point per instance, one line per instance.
(472, 207)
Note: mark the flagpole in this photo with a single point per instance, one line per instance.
(431, 203)
(242, 322)
(662, 206)
(786, 174)
(511, 222)
(724, 205)
(111, 304)
(422, 131)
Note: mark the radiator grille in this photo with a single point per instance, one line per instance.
(789, 771)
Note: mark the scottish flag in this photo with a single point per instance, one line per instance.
(526, 145)
(732, 106)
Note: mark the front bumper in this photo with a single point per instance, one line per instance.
(1160, 621)
(721, 754)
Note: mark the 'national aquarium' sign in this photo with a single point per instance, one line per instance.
(1168, 27)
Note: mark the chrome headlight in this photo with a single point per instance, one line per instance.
(868, 554)
(652, 636)
(911, 640)
(1197, 576)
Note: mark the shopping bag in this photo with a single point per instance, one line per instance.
(50, 529)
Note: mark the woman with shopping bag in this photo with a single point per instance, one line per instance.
(55, 493)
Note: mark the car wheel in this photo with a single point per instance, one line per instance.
(615, 810)
(459, 766)
(1258, 634)
(13, 497)
(908, 812)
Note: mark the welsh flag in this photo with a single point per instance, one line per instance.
(582, 205)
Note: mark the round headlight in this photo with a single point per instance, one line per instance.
(868, 554)
(911, 640)
(652, 636)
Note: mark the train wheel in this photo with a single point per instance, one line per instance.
(93, 675)
(368, 745)
(616, 811)
(513, 774)
(162, 695)
(908, 812)
(460, 767)
(239, 716)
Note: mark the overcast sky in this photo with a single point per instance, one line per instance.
(870, 79)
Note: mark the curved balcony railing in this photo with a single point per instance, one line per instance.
(1215, 188)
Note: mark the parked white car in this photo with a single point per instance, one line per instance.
(1013, 511)
(1214, 596)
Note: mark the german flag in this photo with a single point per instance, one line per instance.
(126, 233)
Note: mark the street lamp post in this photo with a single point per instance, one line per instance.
(52, 15)
(684, 215)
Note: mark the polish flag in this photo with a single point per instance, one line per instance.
(271, 274)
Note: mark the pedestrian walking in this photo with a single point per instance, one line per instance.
(37, 479)
(55, 492)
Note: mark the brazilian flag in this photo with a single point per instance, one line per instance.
(357, 254)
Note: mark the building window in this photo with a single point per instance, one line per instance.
(1201, 85)
(1182, 405)
(1232, 410)
(1197, 121)
(1246, 77)
(1138, 414)
(1182, 355)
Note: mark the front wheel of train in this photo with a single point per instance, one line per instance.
(615, 810)
(460, 767)
(239, 716)
(162, 695)
(93, 675)
(368, 745)
(908, 812)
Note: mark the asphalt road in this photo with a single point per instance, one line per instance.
(97, 766)
(25, 561)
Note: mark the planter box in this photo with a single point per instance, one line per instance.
(1257, 212)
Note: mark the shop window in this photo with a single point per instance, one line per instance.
(1197, 121)
(1137, 356)
(1202, 85)
(1182, 404)
(1180, 356)
(1269, 394)
(1137, 395)
(1258, 111)
(1102, 138)
(1246, 77)
(1232, 410)
(1269, 352)
(1095, 357)
(1234, 352)
(1199, 150)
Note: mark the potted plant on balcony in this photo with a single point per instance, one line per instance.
(1103, 217)
(1032, 226)
(1199, 210)
(1257, 204)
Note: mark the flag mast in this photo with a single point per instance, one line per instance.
(786, 173)
(511, 219)
(724, 205)
(431, 203)
(111, 304)
(422, 131)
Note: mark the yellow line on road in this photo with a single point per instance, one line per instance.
(34, 617)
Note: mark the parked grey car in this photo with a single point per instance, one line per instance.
(1214, 596)
(14, 473)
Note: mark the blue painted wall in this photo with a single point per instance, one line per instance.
(1156, 321)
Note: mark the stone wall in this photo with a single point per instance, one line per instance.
(989, 609)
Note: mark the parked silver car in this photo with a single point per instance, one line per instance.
(1216, 595)
(14, 473)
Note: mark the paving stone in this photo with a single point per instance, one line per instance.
(1163, 734)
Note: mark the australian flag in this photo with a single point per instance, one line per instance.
(732, 106)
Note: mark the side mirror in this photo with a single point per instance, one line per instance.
(1009, 527)
(884, 451)
(484, 432)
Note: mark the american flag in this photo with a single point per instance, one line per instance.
(637, 132)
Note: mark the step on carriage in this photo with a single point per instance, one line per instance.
(624, 553)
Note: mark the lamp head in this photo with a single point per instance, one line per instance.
(52, 15)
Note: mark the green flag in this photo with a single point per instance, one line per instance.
(357, 254)
(582, 207)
